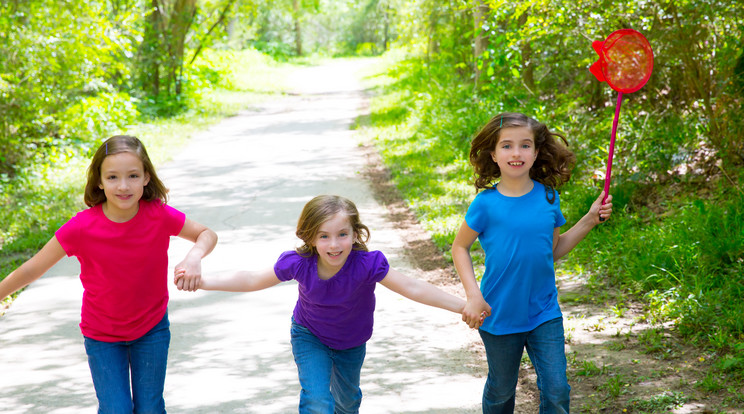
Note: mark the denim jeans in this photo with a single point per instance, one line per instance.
(329, 377)
(146, 358)
(545, 346)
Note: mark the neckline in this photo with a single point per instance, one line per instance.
(531, 190)
(317, 267)
(139, 208)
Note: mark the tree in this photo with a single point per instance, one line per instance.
(167, 27)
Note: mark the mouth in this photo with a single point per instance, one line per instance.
(516, 163)
(124, 196)
(334, 254)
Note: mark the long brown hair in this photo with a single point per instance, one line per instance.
(155, 189)
(554, 160)
(321, 209)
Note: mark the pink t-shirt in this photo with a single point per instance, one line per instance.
(123, 268)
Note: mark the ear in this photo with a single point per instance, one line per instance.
(493, 156)
(147, 179)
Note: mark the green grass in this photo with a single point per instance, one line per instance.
(677, 246)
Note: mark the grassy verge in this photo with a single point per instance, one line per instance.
(44, 196)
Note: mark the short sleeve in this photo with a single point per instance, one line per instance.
(173, 220)
(476, 217)
(285, 267)
(68, 235)
(559, 218)
(378, 266)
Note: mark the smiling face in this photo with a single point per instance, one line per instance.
(123, 180)
(515, 153)
(334, 241)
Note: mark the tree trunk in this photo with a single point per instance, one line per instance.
(150, 50)
(528, 68)
(297, 27)
(179, 24)
(480, 40)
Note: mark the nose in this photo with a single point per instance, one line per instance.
(334, 242)
(122, 184)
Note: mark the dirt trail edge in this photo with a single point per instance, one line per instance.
(247, 178)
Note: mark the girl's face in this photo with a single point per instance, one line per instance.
(123, 180)
(515, 152)
(334, 242)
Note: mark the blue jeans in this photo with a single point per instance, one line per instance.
(146, 358)
(329, 377)
(545, 346)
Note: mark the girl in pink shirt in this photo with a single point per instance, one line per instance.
(121, 242)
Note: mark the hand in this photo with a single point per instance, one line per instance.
(601, 212)
(187, 275)
(476, 310)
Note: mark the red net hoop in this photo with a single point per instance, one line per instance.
(625, 60)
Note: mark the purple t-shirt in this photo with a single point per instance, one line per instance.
(339, 311)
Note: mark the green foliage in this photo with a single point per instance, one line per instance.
(40, 197)
(49, 65)
(676, 238)
(663, 402)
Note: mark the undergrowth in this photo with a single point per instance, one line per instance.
(677, 246)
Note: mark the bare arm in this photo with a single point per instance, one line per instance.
(188, 271)
(564, 243)
(421, 291)
(477, 307)
(33, 268)
(242, 281)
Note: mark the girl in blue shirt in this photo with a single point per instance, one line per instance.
(517, 221)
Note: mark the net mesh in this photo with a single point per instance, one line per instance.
(628, 60)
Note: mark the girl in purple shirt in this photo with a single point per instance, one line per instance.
(333, 318)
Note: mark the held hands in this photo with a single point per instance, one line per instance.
(187, 275)
(476, 310)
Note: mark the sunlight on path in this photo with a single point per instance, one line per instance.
(248, 178)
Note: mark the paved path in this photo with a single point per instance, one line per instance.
(248, 178)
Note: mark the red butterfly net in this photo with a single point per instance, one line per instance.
(625, 60)
(625, 63)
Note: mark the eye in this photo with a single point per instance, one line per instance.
(343, 234)
(506, 146)
(134, 176)
(526, 146)
(111, 177)
(322, 236)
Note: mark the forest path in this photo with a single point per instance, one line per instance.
(248, 178)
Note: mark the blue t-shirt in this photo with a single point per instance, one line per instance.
(340, 310)
(517, 236)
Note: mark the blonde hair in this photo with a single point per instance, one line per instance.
(94, 195)
(321, 209)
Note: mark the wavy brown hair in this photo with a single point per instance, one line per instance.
(321, 209)
(155, 189)
(554, 160)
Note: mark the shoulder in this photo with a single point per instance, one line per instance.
(370, 256)
(157, 210)
(373, 263)
(290, 264)
(157, 207)
(485, 195)
(86, 216)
